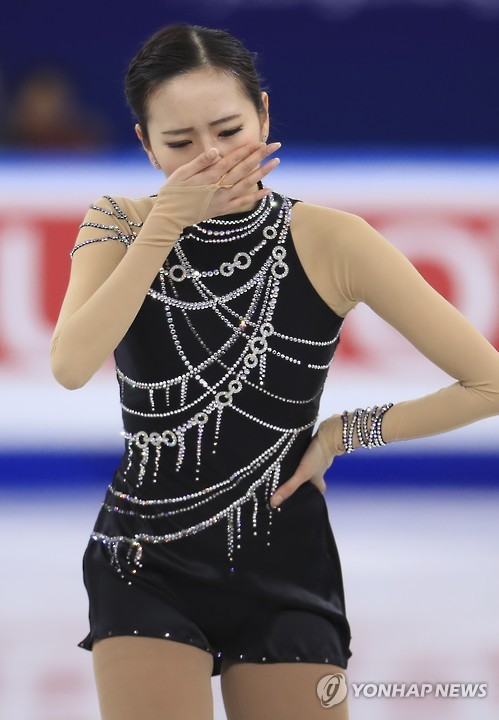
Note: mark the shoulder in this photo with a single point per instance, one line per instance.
(131, 211)
(339, 250)
(322, 240)
(112, 217)
(327, 226)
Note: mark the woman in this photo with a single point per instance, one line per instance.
(223, 303)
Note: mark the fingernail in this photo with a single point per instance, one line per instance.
(276, 500)
(212, 153)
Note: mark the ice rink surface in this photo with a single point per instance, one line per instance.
(422, 592)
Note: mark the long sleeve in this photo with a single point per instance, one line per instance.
(350, 262)
(113, 265)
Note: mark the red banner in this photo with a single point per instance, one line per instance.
(457, 252)
(444, 220)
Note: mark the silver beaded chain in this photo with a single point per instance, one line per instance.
(257, 328)
(241, 260)
(231, 231)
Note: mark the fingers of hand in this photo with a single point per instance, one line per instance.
(255, 158)
(311, 467)
(209, 167)
(248, 168)
(199, 166)
(216, 171)
(284, 491)
(245, 200)
(248, 155)
(260, 172)
(246, 184)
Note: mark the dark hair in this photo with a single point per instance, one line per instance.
(181, 48)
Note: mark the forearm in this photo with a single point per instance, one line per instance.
(447, 409)
(107, 289)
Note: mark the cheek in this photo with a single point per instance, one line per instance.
(169, 165)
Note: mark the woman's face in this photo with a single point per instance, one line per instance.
(197, 111)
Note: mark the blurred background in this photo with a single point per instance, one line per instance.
(386, 108)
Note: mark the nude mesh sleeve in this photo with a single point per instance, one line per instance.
(108, 282)
(104, 221)
(369, 269)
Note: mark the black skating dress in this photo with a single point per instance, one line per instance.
(220, 378)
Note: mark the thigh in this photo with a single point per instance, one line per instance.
(153, 678)
(279, 691)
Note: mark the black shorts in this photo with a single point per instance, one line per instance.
(283, 603)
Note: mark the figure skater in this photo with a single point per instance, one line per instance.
(223, 303)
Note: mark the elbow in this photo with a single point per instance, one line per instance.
(493, 391)
(67, 374)
(70, 383)
(64, 370)
(488, 392)
(68, 378)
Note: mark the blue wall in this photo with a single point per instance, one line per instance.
(394, 74)
(92, 470)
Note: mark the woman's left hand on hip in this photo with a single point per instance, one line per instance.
(311, 468)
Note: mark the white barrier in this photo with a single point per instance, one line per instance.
(444, 216)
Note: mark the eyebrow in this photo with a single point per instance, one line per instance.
(181, 131)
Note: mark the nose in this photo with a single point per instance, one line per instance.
(211, 142)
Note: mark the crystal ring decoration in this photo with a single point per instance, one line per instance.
(169, 438)
(227, 268)
(266, 329)
(174, 270)
(269, 232)
(250, 360)
(224, 398)
(155, 439)
(142, 439)
(279, 269)
(242, 260)
(235, 386)
(242, 256)
(258, 345)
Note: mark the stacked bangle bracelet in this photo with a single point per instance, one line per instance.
(367, 424)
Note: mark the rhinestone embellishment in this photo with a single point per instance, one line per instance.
(191, 402)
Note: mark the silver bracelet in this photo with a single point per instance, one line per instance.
(368, 435)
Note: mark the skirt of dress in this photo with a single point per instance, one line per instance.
(283, 602)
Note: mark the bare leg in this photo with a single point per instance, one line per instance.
(141, 678)
(277, 691)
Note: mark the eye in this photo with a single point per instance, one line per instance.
(232, 131)
(178, 144)
(224, 133)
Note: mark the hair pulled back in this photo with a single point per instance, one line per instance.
(180, 48)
